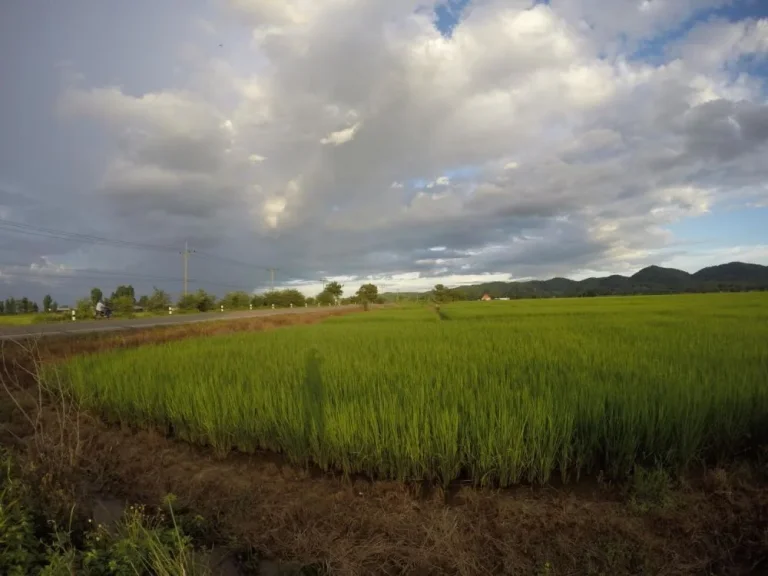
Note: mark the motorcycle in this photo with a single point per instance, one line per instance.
(106, 313)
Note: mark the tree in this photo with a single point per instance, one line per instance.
(334, 289)
(124, 291)
(84, 308)
(10, 306)
(187, 302)
(96, 295)
(159, 301)
(143, 301)
(439, 293)
(367, 294)
(235, 300)
(34, 308)
(284, 298)
(310, 301)
(258, 301)
(325, 298)
(2, 307)
(200, 301)
(122, 306)
(24, 306)
(47, 302)
(54, 306)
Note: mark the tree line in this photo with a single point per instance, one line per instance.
(123, 300)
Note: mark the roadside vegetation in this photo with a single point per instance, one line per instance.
(140, 542)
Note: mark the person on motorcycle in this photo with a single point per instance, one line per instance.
(102, 310)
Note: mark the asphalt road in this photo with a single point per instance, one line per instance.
(70, 328)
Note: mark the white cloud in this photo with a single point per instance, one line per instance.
(581, 159)
(341, 137)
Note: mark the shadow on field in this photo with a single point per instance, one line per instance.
(313, 400)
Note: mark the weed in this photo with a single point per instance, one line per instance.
(650, 489)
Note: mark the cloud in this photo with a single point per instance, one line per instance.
(341, 137)
(581, 152)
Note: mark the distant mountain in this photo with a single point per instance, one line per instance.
(732, 277)
(656, 275)
(733, 272)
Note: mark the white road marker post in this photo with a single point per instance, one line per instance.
(273, 306)
(170, 310)
(222, 307)
(251, 306)
(73, 315)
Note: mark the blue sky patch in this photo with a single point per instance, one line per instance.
(653, 50)
(448, 14)
(725, 226)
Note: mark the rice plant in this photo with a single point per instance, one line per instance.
(498, 392)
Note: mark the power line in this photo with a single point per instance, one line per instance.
(55, 234)
(51, 233)
(29, 229)
(70, 274)
(91, 274)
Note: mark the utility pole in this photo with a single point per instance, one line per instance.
(272, 276)
(185, 256)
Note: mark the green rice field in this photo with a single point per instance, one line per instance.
(494, 392)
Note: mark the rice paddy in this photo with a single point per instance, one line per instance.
(496, 393)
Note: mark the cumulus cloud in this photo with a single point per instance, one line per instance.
(580, 154)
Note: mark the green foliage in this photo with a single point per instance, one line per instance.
(650, 488)
(439, 293)
(201, 301)
(10, 306)
(124, 291)
(96, 295)
(159, 301)
(236, 301)
(334, 289)
(257, 300)
(325, 298)
(140, 544)
(122, 306)
(503, 392)
(367, 293)
(284, 298)
(20, 550)
(47, 303)
(84, 308)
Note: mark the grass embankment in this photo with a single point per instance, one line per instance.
(18, 319)
(504, 392)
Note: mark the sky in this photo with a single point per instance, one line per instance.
(404, 142)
